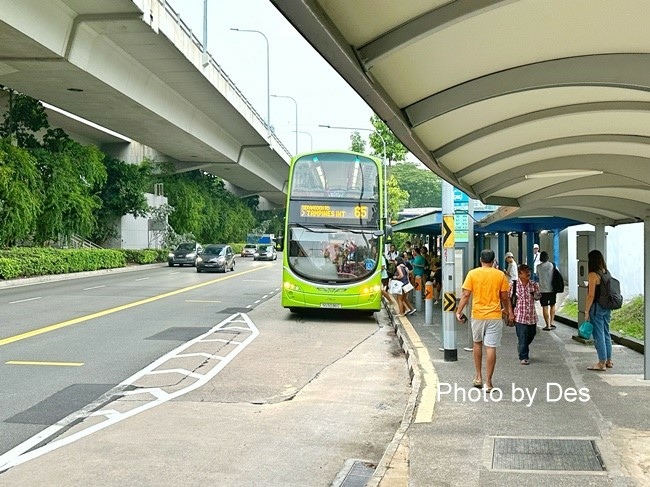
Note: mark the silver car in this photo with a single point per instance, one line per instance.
(265, 252)
(216, 257)
(185, 254)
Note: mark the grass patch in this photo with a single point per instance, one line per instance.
(627, 321)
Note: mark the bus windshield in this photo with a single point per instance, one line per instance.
(335, 175)
(324, 254)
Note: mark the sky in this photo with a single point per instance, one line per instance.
(296, 70)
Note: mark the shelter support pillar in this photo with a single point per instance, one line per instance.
(556, 247)
(502, 249)
(520, 248)
(530, 240)
(646, 290)
(600, 240)
(448, 274)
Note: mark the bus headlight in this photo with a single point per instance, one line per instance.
(372, 289)
(289, 286)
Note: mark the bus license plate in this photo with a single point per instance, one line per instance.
(330, 305)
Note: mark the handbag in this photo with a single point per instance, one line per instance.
(407, 287)
(395, 286)
(585, 330)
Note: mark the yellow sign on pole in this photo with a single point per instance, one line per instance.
(448, 240)
(449, 302)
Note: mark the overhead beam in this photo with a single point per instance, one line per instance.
(423, 26)
(627, 71)
(622, 165)
(552, 143)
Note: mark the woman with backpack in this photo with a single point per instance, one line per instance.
(596, 314)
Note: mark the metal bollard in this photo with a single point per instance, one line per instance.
(428, 303)
(417, 294)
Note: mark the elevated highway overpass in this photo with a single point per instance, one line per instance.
(135, 68)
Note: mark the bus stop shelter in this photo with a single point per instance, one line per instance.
(543, 107)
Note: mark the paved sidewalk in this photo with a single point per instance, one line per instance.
(539, 428)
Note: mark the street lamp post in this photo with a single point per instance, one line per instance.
(296, 107)
(311, 139)
(268, 76)
(383, 141)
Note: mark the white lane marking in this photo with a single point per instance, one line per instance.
(222, 341)
(257, 301)
(24, 300)
(25, 452)
(94, 287)
(182, 372)
(249, 306)
(142, 279)
(201, 354)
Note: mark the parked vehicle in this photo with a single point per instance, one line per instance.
(216, 257)
(248, 250)
(185, 254)
(265, 252)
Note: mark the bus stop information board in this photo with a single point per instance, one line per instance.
(461, 216)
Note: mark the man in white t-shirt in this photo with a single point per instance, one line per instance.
(536, 261)
(510, 269)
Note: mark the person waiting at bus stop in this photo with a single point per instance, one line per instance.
(402, 275)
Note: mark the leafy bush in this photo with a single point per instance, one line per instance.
(627, 321)
(32, 261)
(144, 256)
(10, 268)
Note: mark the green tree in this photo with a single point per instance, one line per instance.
(423, 186)
(72, 179)
(123, 194)
(24, 117)
(358, 144)
(397, 198)
(203, 207)
(20, 193)
(395, 150)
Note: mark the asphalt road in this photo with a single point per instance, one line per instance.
(64, 344)
(280, 378)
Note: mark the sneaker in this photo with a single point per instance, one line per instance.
(409, 313)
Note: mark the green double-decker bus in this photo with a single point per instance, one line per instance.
(334, 232)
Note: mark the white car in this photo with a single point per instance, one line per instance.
(248, 250)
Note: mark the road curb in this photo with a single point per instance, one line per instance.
(392, 469)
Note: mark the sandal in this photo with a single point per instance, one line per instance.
(477, 383)
(609, 364)
(524, 362)
(547, 329)
(597, 368)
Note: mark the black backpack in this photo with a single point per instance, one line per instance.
(557, 281)
(513, 298)
(610, 292)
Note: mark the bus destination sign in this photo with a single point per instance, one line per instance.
(322, 212)
(333, 212)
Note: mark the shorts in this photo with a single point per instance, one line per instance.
(487, 331)
(548, 299)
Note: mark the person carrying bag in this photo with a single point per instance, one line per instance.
(402, 278)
